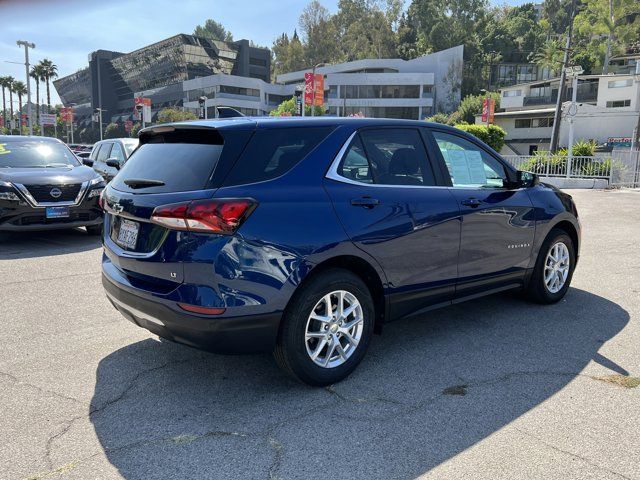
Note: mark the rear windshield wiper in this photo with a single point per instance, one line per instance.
(142, 183)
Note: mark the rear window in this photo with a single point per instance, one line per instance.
(271, 153)
(182, 161)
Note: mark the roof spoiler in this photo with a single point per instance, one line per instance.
(228, 112)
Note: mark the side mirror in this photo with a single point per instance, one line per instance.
(113, 162)
(526, 179)
(88, 162)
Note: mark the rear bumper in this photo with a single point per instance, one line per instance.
(219, 334)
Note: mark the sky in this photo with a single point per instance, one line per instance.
(66, 31)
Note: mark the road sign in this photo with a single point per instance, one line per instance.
(47, 119)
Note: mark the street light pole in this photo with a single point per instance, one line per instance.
(555, 132)
(27, 46)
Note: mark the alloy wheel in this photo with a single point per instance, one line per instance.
(334, 329)
(556, 267)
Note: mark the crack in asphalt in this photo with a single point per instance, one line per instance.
(40, 390)
(58, 278)
(571, 454)
(268, 434)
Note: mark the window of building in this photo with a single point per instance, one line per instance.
(380, 91)
(534, 122)
(620, 83)
(512, 93)
(469, 165)
(260, 62)
(248, 92)
(618, 103)
(527, 73)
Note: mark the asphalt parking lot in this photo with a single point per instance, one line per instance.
(495, 388)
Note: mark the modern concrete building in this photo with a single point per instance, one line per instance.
(112, 79)
(250, 96)
(608, 110)
(391, 88)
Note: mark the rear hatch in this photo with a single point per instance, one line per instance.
(173, 165)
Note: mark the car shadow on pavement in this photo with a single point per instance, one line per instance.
(429, 388)
(46, 243)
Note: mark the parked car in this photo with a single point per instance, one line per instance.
(108, 156)
(305, 236)
(44, 186)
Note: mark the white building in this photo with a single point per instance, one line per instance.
(391, 88)
(608, 109)
(251, 96)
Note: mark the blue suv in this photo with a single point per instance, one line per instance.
(305, 236)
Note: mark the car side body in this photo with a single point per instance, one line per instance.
(415, 247)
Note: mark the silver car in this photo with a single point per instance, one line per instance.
(109, 156)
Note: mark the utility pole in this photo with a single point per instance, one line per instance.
(27, 46)
(563, 75)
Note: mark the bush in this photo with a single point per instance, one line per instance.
(492, 135)
(135, 129)
(114, 130)
(169, 115)
(440, 118)
(471, 105)
(584, 148)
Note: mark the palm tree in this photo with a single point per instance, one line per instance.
(5, 82)
(50, 71)
(37, 73)
(20, 89)
(10, 81)
(550, 55)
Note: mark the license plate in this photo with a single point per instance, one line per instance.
(128, 234)
(57, 212)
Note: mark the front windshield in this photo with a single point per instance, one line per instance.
(35, 154)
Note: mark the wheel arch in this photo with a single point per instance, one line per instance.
(571, 230)
(367, 273)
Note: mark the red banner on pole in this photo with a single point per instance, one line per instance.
(310, 88)
(485, 110)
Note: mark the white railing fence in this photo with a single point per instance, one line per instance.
(619, 168)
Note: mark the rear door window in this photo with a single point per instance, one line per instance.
(396, 156)
(117, 153)
(273, 152)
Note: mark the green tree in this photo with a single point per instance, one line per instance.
(37, 73)
(319, 32)
(20, 89)
(492, 135)
(135, 130)
(288, 109)
(550, 55)
(471, 105)
(114, 130)
(618, 20)
(214, 31)
(170, 115)
(5, 83)
(50, 71)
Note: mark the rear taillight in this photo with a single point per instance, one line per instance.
(222, 216)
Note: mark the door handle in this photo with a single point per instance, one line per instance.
(366, 202)
(471, 202)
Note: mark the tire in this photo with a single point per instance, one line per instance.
(294, 349)
(94, 229)
(538, 289)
